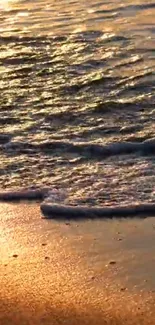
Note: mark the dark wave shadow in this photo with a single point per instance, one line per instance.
(58, 211)
(24, 194)
(91, 150)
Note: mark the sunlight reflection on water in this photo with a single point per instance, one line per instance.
(76, 73)
(52, 17)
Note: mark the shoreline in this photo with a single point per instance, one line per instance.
(53, 205)
(59, 272)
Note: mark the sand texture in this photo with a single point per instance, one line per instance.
(75, 272)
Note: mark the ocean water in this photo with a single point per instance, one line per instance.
(77, 99)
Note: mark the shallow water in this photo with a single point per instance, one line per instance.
(74, 76)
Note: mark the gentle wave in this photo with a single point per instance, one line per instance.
(86, 149)
(23, 194)
(44, 17)
(77, 113)
(57, 211)
(52, 210)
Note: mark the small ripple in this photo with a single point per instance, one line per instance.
(68, 103)
(90, 150)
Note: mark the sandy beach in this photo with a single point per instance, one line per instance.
(77, 139)
(87, 272)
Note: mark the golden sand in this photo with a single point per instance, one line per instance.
(87, 272)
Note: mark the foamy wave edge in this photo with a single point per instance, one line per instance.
(53, 210)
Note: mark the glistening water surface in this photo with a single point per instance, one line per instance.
(76, 76)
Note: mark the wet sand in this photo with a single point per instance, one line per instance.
(86, 272)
